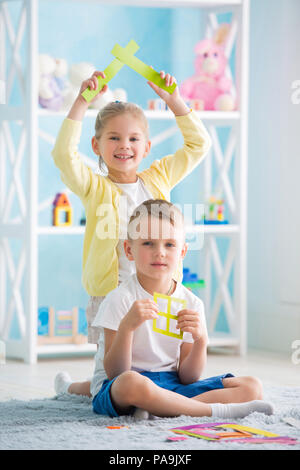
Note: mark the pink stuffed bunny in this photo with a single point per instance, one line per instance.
(210, 84)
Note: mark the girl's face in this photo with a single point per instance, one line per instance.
(122, 145)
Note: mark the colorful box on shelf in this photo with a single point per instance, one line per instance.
(62, 327)
(205, 221)
(157, 105)
(190, 280)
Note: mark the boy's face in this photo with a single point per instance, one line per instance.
(122, 146)
(158, 248)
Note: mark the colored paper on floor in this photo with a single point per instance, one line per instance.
(233, 432)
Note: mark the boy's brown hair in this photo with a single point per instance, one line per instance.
(159, 208)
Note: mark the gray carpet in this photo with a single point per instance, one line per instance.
(68, 422)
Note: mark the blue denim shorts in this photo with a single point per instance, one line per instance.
(102, 403)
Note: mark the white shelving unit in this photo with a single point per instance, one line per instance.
(21, 274)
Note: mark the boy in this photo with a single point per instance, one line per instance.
(140, 369)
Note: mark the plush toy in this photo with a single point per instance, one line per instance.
(77, 74)
(210, 85)
(80, 72)
(52, 82)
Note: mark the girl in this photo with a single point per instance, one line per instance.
(121, 142)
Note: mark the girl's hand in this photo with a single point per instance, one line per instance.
(174, 101)
(141, 310)
(80, 105)
(189, 321)
(92, 83)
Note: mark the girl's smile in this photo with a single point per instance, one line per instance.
(123, 145)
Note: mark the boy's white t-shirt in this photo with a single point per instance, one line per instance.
(151, 351)
(135, 193)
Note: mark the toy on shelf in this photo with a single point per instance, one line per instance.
(190, 280)
(53, 83)
(82, 220)
(62, 328)
(210, 84)
(157, 105)
(215, 213)
(196, 104)
(61, 207)
(160, 105)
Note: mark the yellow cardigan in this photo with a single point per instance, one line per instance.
(100, 260)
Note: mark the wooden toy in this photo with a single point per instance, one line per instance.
(61, 328)
(61, 207)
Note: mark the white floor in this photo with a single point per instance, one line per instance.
(24, 381)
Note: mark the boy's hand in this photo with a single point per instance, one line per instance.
(189, 321)
(174, 101)
(141, 310)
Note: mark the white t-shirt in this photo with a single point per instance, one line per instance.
(151, 351)
(135, 193)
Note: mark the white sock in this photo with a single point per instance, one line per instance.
(240, 410)
(139, 414)
(62, 382)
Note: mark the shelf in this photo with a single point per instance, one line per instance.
(225, 229)
(24, 225)
(12, 113)
(171, 3)
(58, 349)
(51, 230)
(215, 116)
(222, 340)
(79, 230)
(215, 341)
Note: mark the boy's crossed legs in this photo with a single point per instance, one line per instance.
(239, 397)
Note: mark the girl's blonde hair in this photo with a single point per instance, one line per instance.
(114, 109)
